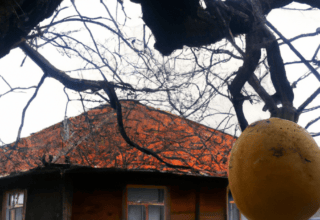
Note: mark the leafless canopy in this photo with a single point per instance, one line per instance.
(196, 39)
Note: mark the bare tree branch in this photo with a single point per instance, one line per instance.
(26, 107)
(315, 73)
(308, 101)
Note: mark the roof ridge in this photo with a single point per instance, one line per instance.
(98, 144)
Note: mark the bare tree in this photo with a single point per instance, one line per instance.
(194, 39)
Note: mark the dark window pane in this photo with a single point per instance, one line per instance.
(136, 212)
(161, 195)
(156, 212)
(145, 195)
(18, 214)
(10, 200)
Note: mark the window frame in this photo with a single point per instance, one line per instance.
(5, 202)
(164, 204)
(234, 208)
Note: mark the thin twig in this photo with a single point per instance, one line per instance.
(315, 73)
(26, 107)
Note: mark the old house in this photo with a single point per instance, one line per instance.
(82, 169)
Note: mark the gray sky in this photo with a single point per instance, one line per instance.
(49, 106)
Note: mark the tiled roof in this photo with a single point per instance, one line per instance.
(93, 140)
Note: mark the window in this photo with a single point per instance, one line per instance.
(145, 203)
(14, 205)
(233, 211)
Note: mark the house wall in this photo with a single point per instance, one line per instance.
(183, 200)
(1, 200)
(44, 199)
(98, 204)
(212, 203)
(103, 196)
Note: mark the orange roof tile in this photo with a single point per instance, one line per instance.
(94, 141)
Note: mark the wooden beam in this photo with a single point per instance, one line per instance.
(67, 195)
(197, 211)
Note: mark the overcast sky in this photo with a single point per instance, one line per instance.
(49, 106)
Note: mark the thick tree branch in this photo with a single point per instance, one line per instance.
(81, 85)
(78, 85)
(251, 61)
(278, 74)
(312, 3)
(135, 145)
(254, 82)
